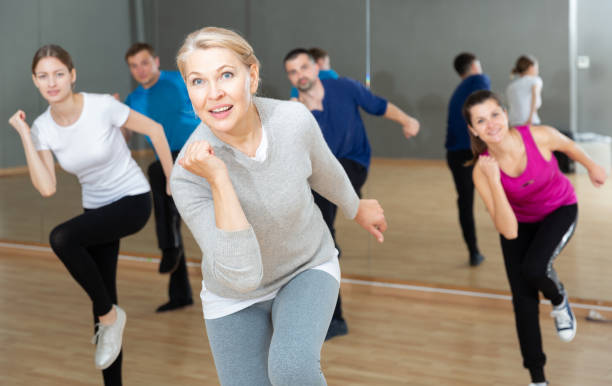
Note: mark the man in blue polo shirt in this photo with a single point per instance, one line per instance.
(162, 96)
(459, 149)
(335, 104)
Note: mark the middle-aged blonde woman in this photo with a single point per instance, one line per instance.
(243, 185)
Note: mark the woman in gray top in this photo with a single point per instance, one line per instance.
(242, 184)
(524, 93)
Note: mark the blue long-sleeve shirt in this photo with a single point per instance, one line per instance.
(457, 137)
(167, 103)
(341, 122)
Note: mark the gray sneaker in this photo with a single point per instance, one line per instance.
(108, 340)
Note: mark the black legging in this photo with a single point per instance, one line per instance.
(168, 230)
(357, 174)
(528, 260)
(462, 176)
(88, 245)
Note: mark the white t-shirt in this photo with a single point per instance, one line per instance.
(518, 94)
(94, 149)
(215, 306)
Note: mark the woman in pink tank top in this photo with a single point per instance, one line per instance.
(534, 208)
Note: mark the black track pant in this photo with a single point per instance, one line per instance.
(357, 174)
(528, 260)
(462, 176)
(88, 245)
(168, 230)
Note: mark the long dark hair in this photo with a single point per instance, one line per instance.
(476, 98)
(54, 51)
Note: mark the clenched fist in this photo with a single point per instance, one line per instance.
(411, 129)
(19, 123)
(199, 158)
(489, 167)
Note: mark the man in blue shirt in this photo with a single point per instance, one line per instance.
(335, 104)
(321, 58)
(162, 96)
(459, 149)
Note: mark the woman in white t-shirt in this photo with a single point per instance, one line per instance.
(524, 93)
(83, 131)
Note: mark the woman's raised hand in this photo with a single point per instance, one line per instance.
(199, 158)
(19, 123)
(489, 167)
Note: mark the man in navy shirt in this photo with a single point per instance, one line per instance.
(162, 96)
(321, 58)
(335, 104)
(459, 150)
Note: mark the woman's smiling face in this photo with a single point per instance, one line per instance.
(488, 121)
(220, 86)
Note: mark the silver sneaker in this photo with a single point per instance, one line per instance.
(108, 340)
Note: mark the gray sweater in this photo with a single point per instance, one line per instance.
(287, 234)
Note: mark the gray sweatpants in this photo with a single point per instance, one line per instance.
(276, 342)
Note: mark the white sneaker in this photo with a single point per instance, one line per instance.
(108, 340)
(538, 384)
(565, 322)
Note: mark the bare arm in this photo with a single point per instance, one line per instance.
(410, 126)
(144, 125)
(552, 140)
(40, 163)
(127, 135)
(487, 181)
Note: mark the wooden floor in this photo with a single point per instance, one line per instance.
(397, 337)
(423, 242)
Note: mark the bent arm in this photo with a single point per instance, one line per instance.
(144, 125)
(41, 167)
(492, 193)
(410, 126)
(229, 215)
(40, 162)
(553, 140)
(213, 213)
(328, 177)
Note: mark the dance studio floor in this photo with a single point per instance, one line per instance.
(397, 336)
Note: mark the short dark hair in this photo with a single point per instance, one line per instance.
(317, 53)
(294, 53)
(462, 62)
(137, 47)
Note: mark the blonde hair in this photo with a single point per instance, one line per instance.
(214, 37)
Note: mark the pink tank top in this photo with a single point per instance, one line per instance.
(541, 188)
